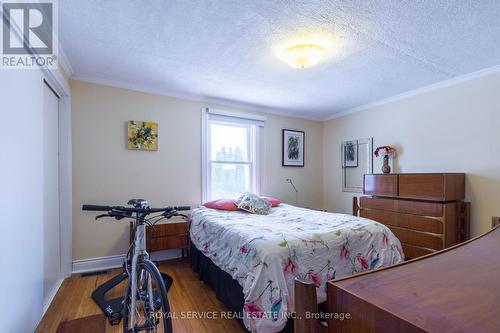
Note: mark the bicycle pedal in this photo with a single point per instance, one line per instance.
(115, 318)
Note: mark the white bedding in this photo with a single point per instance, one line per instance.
(264, 253)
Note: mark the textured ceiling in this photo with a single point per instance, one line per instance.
(223, 49)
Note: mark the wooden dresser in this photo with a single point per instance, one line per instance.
(166, 236)
(425, 211)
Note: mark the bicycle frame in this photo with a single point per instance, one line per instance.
(139, 253)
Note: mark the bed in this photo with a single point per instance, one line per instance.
(265, 253)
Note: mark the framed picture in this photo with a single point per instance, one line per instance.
(142, 135)
(350, 154)
(293, 148)
(352, 173)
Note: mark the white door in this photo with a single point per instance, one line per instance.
(51, 228)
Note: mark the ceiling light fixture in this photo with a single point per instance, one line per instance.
(303, 56)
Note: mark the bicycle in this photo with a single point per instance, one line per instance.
(145, 305)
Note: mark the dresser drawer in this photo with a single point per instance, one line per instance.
(438, 187)
(167, 242)
(434, 209)
(417, 238)
(165, 236)
(408, 221)
(168, 229)
(382, 185)
(429, 187)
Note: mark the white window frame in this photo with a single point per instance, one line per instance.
(254, 123)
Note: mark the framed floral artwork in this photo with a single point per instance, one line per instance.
(142, 135)
(350, 154)
(293, 148)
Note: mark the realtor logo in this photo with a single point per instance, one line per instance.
(28, 34)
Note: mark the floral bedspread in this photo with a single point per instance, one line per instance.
(264, 253)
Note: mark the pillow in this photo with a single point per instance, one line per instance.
(273, 201)
(221, 204)
(253, 204)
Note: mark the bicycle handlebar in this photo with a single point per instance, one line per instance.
(146, 210)
(96, 208)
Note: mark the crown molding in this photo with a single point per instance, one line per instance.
(64, 62)
(419, 91)
(251, 107)
(191, 97)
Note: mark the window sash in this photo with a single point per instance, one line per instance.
(230, 162)
(251, 171)
(251, 155)
(253, 149)
(250, 138)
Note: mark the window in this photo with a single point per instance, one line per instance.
(230, 156)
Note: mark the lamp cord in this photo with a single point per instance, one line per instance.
(296, 191)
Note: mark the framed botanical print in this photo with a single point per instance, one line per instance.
(293, 148)
(350, 154)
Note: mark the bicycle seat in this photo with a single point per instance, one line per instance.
(138, 203)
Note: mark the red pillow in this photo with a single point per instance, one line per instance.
(222, 204)
(273, 201)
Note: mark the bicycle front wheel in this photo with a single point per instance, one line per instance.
(151, 311)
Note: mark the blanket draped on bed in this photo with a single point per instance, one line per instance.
(264, 253)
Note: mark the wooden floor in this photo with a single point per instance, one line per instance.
(186, 294)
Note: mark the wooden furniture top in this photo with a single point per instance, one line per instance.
(418, 173)
(442, 187)
(454, 290)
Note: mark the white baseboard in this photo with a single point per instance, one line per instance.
(97, 264)
(103, 263)
(52, 294)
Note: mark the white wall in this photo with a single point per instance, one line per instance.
(452, 129)
(21, 199)
(104, 171)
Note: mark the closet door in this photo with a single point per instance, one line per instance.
(51, 227)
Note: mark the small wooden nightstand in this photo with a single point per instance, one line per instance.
(166, 236)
